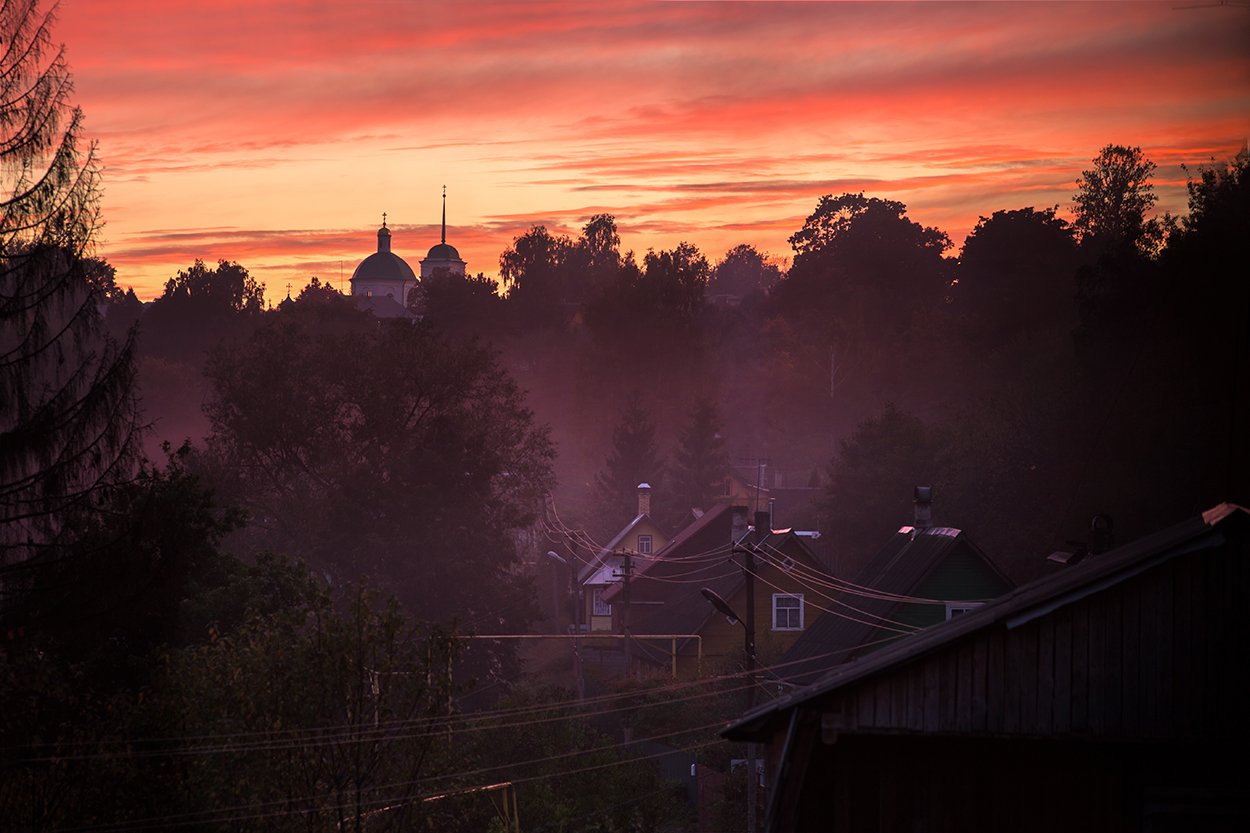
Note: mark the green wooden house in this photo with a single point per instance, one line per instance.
(922, 576)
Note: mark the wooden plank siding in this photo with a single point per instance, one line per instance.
(1128, 662)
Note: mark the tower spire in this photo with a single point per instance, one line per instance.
(444, 238)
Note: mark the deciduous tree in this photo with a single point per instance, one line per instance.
(1113, 198)
(861, 259)
(742, 271)
(201, 306)
(381, 450)
(535, 270)
(1016, 274)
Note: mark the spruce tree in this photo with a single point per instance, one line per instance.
(634, 459)
(67, 415)
(702, 464)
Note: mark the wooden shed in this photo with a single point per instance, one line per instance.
(1109, 696)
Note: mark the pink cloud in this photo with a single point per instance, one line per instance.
(702, 121)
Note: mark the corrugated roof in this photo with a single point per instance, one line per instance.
(1039, 598)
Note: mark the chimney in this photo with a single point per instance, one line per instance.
(1101, 534)
(924, 507)
(772, 513)
(763, 524)
(644, 498)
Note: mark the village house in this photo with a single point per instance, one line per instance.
(1108, 696)
(674, 627)
(641, 537)
(924, 574)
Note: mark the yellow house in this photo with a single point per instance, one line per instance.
(674, 623)
(640, 538)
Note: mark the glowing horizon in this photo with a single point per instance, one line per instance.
(276, 135)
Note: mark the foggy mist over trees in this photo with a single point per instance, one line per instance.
(267, 620)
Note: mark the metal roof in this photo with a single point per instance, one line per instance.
(383, 266)
(898, 568)
(600, 558)
(668, 598)
(1039, 598)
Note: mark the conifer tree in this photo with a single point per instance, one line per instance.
(702, 462)
(67, 415)
(634, 459)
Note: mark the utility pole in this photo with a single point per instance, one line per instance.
(748, 630)
(627, 569)
(575, 594)
(748, 569)
(577, 625)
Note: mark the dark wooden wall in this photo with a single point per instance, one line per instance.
(1161, 655)
(909, 784)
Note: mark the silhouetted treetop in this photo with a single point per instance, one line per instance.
(227, 286)
(1114, 197)
(1016, 273)
(742, 271)
(840, 224)
(535, 271)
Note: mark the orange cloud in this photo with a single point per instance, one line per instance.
(718, 123)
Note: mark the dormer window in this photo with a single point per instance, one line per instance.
(644, 544)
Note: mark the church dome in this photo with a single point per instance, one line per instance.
(383, 266)
(383, 273)
(443, 251)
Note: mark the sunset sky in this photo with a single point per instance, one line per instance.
(276, 133)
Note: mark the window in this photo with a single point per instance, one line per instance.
(954, 609)
(644, 544)
(598, 606)
(787, 611)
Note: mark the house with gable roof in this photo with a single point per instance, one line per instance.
(641, 537)
(1108, 696)
(923, 575)
(674, 627)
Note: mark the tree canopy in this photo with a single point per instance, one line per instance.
(1006, 293)
(861, 261)
(742, 271)
(1114, 197)
(381, 450)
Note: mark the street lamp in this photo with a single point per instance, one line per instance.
(575, 590)
(748, 629)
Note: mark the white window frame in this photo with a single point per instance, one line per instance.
(644, 544)
(598, 607)
(788, 608)
(954, 609)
